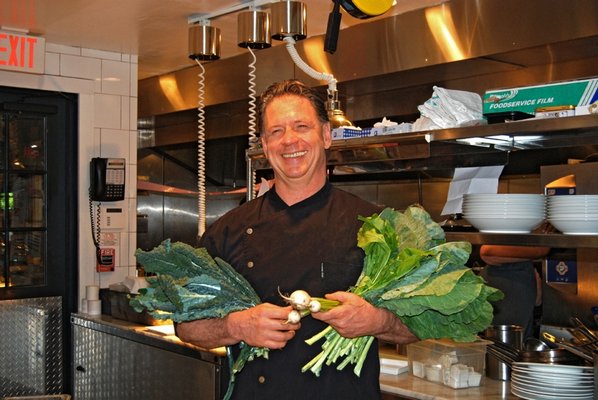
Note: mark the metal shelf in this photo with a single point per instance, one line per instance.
(448, 148)
(532, 239)
(475, 145)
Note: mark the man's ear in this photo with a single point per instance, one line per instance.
(326, 135)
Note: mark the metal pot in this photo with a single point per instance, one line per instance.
(511, 335)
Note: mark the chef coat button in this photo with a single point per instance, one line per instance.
(261, 379)
(249, 231)
(250, 264)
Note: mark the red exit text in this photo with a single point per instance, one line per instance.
(21, 52)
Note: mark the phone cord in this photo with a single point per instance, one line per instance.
(95, 227)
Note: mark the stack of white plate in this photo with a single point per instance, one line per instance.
(504, 213)
(574, 215)
(534, 381)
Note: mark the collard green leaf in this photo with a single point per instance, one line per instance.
(436, 286)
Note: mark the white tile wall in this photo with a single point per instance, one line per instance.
(107, 86)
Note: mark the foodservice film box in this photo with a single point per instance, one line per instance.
(527, 99)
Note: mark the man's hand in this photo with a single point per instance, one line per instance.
(261, 326)
(356, 317)
(264, 325)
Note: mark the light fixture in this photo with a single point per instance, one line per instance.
(336, 116)
(253, 29)
(204, 42)
(289, 19)
(288, 24)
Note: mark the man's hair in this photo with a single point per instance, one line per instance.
(290, 87)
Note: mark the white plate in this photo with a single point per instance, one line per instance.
(505, 196)
(565, 379)
(504, 225)
(556, 368)
(574, 227)
(551, 387)
(524, 394)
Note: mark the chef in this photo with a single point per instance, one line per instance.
(301, 234)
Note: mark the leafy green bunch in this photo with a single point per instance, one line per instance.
(190, 285)
(412, 271)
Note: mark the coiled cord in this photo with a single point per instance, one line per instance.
(253, 139)
(201, 153)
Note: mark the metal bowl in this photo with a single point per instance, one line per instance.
(551, 356)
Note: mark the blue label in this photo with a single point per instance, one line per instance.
(560, 271)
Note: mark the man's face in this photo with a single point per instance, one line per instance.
(294, 140)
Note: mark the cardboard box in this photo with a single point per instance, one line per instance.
(454, 364)
(586, 176)
(528, 98)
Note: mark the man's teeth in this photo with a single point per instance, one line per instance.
(295, 154)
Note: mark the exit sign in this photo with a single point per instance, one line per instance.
(24, 53)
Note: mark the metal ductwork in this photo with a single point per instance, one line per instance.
(387, 67)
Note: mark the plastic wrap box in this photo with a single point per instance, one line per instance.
(454, 364)
(528, 98)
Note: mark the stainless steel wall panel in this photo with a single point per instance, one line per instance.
(30, 346)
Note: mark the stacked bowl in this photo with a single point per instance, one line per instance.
(504, 213)
(574, 215)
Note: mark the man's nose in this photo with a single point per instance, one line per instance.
(289, 136)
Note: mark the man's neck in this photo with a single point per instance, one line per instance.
(294, 193)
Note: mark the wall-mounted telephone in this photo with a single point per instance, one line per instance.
(107, 183)
(107, 179)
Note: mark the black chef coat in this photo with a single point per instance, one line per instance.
(310, 245)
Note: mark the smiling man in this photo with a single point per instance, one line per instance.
(301, 234)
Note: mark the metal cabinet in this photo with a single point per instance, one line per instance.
(111, 363)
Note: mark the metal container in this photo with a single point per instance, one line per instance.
(508, 334)
(551, 356)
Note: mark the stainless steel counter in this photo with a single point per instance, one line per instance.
(115, 359)
(411, 387)
(403, 385)
(408, 386)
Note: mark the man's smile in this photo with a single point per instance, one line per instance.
(295, 154)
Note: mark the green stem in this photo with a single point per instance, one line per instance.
(318, 336)
(312, 362)
(363, 355)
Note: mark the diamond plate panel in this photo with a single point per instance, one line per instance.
(30, 346)
(109, 367)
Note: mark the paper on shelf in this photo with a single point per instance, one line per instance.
(470, 180)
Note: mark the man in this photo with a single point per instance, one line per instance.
(511, 269)
(301, 234)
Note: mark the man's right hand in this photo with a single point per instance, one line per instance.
(264, 325)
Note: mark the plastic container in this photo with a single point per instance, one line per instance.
(454, 364)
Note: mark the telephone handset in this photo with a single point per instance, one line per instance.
(107, 179)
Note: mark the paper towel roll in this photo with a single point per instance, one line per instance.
(94, 307)
(92, 292)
